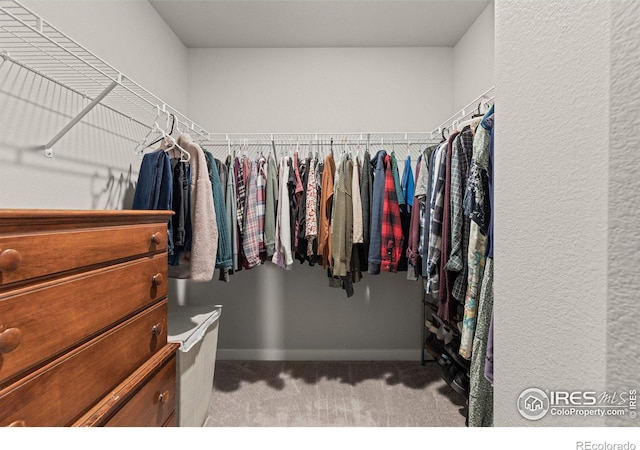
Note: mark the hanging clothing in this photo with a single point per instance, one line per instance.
(271, 205)
(358, 227)
(223, 258)
(261, 188)
(477, 189)
(231, 204)
(251, 239)
(476, 264)
(302, 243)
(445, 310)
(342, 230)
(480, 390)
(391, 227)
(413, 238)
(429, 167)
(180, 223)
(435, 223)
(460, 163)
(154, 189)
(299, 204)
(311, 219)
(199, 263)
(405, 217)
(488, 361)
(366, 196)
(408, 183)
(489, 122)
(476, 204)
(377, 203)
(396, 179)
(282, 256)
(222, 175)
(326, 209)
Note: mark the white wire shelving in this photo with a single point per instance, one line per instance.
(32, 43)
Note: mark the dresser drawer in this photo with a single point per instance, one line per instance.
(32, 255)
(60, 392)
(52, 317)
(153, 405)
(171, 421)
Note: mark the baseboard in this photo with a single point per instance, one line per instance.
(318, 355)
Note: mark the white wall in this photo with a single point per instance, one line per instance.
(94, 164)
(272, 314)
(551, 171)
(313, 90)
(474, 59)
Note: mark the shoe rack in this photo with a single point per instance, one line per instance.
(441, 344)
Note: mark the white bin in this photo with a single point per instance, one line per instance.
(195, 328)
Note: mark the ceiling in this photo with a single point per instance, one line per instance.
(319, 23)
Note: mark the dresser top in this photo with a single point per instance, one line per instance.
(15, 219)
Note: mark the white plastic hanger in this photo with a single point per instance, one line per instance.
(185, 156)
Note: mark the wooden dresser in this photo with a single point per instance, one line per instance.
(83, 319)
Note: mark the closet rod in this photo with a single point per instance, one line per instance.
(307, 142)
(467, 111)
(338, 135)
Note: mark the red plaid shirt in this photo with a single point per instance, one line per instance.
(392, 237)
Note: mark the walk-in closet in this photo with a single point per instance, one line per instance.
(282, 213)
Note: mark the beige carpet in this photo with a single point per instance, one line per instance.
(333, 394)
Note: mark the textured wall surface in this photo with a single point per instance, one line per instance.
(551, 159)
(474, 59)
(623, 325)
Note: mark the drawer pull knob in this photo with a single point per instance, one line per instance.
(156, 330)
(18, 423)
(157, 279)
(10, 339)
(10, 259)
(155, 238)
(163, 397)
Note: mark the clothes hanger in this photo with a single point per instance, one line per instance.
(173, 121)
(443, 136)
(185, 156)
(141, 147)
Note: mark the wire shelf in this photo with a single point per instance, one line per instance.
(31, 42)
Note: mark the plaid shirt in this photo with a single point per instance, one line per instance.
(435, 223)
(241, 193)
(460, 163)
(392, 238)
(251, 239)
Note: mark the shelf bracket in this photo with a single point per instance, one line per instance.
(48, 148)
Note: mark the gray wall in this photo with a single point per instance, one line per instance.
(94, 165)
(272, 314)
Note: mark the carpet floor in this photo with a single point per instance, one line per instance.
(332, 394)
